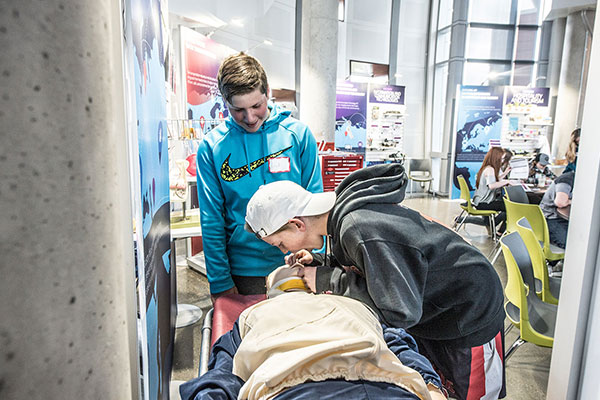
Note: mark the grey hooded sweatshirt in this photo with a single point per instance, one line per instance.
(416, 274)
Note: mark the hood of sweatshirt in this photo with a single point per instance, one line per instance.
(378, 184)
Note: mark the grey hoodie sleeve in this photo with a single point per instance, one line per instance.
(389, 276)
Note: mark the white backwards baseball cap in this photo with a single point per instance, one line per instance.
(275, 203)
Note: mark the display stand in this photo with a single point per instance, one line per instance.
(385, 119)
(525, 121)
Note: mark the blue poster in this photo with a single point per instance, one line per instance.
(350, 120)
(146, 41)
(478, 121)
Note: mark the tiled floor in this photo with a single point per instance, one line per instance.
(526, 371)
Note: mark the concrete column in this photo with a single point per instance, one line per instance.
(557, 40)
(67, 298)
(569, 84)
(319, 66)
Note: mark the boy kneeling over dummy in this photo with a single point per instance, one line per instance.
(414, 273)
(297, 344)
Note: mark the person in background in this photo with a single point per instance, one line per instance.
(558, 195)
(505, 168)
(572, 151)
(300, 345)
(489, 183)
(539, 168)
(414, 273)
(258, 143)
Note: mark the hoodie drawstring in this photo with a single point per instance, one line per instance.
(246, 154)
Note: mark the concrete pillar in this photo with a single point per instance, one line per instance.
(569, 84)
(319, 66)
(67, 297)
(554, 61)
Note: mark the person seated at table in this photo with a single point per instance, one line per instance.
(572, 151)
(558, 196)
(506, 157)
(489, 183)
(298, 344)
(539, 168)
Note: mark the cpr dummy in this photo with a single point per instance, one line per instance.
(296, 336)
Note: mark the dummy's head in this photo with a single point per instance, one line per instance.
(287, 216)
(286, 279)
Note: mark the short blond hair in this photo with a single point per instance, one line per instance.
(241, 74)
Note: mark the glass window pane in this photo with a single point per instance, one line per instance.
(526, 41)
(489, 43)
(440, 86)
(491, 11)
(443, 46)
(523, 74)
(529, 12)
(478, 73)
(445, 17)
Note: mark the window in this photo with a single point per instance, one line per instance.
(489, 43)
(443, 46)
(445, 13)
(526, 44)
(440, 87)
(491, 11)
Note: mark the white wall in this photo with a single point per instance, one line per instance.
(412, 69)
(277, 25)
(364, 35)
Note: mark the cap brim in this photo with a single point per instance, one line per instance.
(319, 204)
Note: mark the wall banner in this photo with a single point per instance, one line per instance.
(146, 48)
(202, 58)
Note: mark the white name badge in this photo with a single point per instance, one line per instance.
(279, 164)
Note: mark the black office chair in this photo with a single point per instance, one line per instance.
(516, 194)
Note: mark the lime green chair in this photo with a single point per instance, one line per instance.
(468, 207)
(534, 318)
(549, 289)
(539, 226)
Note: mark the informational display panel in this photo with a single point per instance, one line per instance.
(513, 117)
(478, 122)
(350, 117)
(385, 124)
(526, 121)
(202, 58)
(145, 47)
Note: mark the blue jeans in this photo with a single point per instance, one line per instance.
(557, 227)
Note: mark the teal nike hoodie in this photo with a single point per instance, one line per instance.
(231, 165)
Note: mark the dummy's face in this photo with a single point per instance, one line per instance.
(249, 110)
(294, 239)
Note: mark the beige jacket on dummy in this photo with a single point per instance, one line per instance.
(297, 336)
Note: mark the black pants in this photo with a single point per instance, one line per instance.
(250, 284)
(496, 205)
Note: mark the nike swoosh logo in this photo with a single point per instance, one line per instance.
(229, 174)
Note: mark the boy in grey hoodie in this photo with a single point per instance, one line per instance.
(416, 274)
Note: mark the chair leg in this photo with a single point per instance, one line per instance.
(462, 222)
(457, 219)
(506, 330)
(498, 250)
(517, 343)
(493, 227)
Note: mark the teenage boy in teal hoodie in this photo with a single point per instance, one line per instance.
(257, 144)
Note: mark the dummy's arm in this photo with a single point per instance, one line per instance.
(219, 382)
